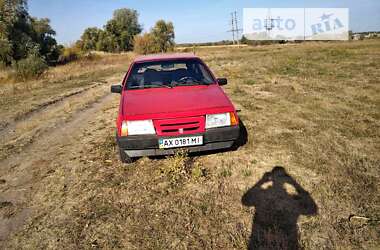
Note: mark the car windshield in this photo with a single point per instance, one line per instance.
(168, 74)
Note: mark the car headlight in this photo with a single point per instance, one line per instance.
(218, 120)
(142, 127)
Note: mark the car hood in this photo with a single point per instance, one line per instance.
(184, 100)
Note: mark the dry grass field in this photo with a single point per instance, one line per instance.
(308, 176)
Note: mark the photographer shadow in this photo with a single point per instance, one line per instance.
(278, 200)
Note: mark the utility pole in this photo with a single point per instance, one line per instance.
(269, 23)
(235, 28)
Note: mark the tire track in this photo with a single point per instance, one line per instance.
(9, 125)
(27, 129)
(20, 173)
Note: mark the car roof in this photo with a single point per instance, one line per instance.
(163, 57)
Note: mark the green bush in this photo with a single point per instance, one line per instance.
(159, 39)
(145, 44)
(31, 67)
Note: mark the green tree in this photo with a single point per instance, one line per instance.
(90, 38)
(14, 29)
(145, 44)
(244, 40)
(20, 33)
(30, 67)
(5, 51)
(107, 42)
(163, 33)
(121, 30)
(5, 45)
(43, 34)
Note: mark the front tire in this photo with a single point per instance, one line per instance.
(243, 136)
(124, 158)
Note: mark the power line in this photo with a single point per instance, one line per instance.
(235, 28)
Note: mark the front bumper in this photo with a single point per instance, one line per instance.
(147, 145)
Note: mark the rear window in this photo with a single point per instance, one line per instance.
(168, 74)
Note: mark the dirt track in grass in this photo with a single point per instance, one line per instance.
(35, 144)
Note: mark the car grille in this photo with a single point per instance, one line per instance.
(180, 126)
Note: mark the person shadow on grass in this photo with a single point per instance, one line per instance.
(278, 200)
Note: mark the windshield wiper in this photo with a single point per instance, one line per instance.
(150, 86)
(156, 86)
(189, 83)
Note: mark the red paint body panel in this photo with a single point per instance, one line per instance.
(181, 106)
(183, 126)
(150, 103)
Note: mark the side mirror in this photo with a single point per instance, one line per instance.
(222, 81)
(116, 89)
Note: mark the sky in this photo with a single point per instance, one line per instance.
(194, 21)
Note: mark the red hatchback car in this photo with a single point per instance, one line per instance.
(173, 101)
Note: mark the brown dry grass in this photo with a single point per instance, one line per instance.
(19, 98)
(312, 108)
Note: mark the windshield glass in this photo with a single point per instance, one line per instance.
(168, 74)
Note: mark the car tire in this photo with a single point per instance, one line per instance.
(124, 158)
(243, 137)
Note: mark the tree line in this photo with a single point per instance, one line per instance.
(23, 36)
(28, 44)
(123, 33)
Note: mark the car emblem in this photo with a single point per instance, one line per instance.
(180, 130)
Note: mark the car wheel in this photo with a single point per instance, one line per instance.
(124, 158)
(243, 137)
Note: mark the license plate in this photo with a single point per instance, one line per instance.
(180, 142)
